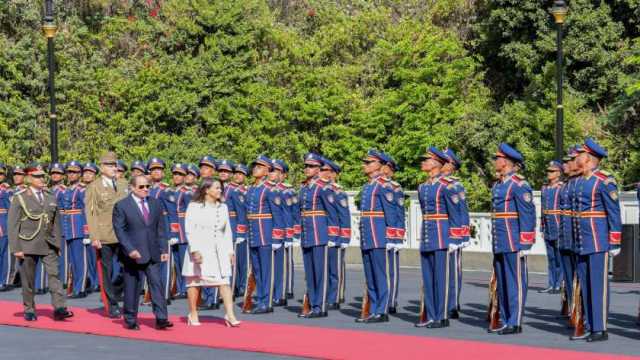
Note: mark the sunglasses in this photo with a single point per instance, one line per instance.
(38, 176)
(146, 186)
(310, 166)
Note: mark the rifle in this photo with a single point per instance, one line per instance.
(578, 323)
(365, 311)
(493, 313)
(306, 304)
(564, 307)
(247, 305)
(423, 313)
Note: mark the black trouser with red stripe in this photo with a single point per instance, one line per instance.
(113, 291)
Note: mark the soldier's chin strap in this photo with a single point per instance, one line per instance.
(39, 218)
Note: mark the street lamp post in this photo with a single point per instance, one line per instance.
(49, 29)
(559, 12)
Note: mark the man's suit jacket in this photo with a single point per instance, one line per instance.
(133, 233)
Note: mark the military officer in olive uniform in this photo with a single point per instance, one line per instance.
(34, 234)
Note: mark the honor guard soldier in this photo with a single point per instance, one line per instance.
(193, 174)
(34, 233)
(237, 214)
(178, 199)
(566, 235)
(341, 242)
(75, 232)
(210, 299)
(6, 257)
(266, 231)
(121, 169)
(455, 253)
(441, 227)
(160, 191)
(56, 185)
(550, 224)
(138, 168)
(290, 197)
(377, 223)
(241, 246)
(599, 232)
(513, 228)
(320, 229)
(278, 169)
(89, 173)
(395, 240)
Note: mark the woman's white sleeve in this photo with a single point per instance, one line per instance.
(190, 228)
(228, 235)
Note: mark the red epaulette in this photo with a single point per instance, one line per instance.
(601, 175)
(518, 179)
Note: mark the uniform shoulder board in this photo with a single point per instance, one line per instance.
(518, 179)
(20, 191)
(82, 185)
(606, 176)
(455, 178)
(287, 185)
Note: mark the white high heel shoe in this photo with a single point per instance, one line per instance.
(231, 324)
(191, 322)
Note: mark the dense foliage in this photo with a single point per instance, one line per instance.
(183, 78)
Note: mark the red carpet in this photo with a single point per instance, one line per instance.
(295, 340)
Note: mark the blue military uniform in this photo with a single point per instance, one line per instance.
(441, 226)
(161, 192)
(75, 233)
(236, 195)
(598, 231)
(283, 254)
(58, 191)
(319, 227)
(266, 232)
(6, 257)
(337, 252)
(377, 225)
(92, 260)
(177, 201)
(566, 241)
(15, 265)
(513, 229)
(550, 226)
(455, 261)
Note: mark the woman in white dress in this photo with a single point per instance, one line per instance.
(209, 259)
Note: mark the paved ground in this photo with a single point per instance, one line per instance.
(541, 328)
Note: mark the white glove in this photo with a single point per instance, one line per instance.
(464, 244)
(344, 245)
(276, 246)
(389, 246)
(524, 253)
(240, 240)
(331, 244)
(296, 239)
(452, 247)
(86, 241)
(614, 252)
(173, 241)
(288, 244)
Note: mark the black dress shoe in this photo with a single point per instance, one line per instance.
(445, 323)
(581, 337)
(169, 302)
(114, 312)
(289, 295)
(132, 326)
(80, 295)
(434, 324)
(497, 330)
(29, 316)
(364, 319)
(378, 319)
(392, 310)
(40, 292)
(61, 313)
(334, 306)
(510, 330)
(261, 310)
(4, 288)
(598, 336)
(281, 302)
(454, 314)
(180, 296)
(314, 315)
(163, 324)
(548, 290)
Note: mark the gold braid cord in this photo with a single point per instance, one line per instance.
(39, 218)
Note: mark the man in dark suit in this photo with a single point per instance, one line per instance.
(139, 226)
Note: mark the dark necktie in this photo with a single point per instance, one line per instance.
(113, 181)
(145, 211)
(39, 196)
